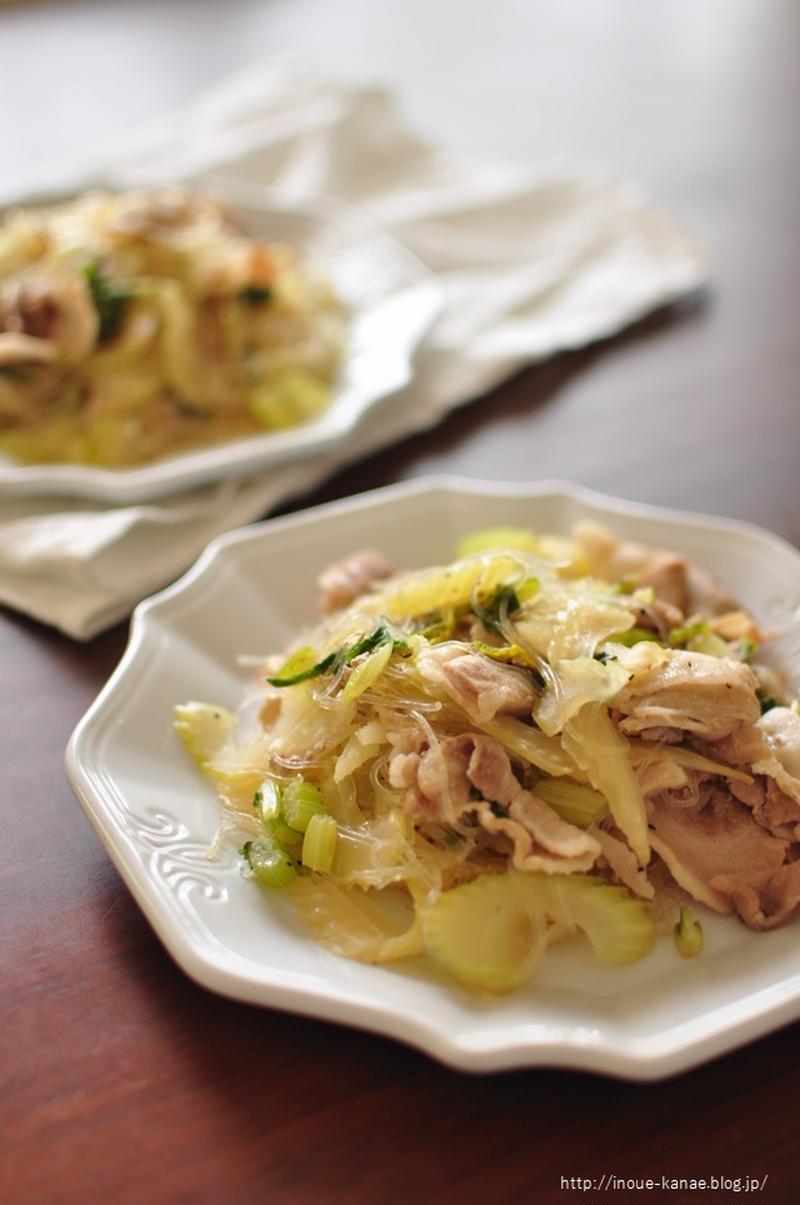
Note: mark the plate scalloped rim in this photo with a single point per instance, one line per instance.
(387, 327)
(163, 861)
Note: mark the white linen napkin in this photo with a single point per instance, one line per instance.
(532, 262)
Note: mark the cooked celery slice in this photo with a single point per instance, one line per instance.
(289, 838)
(301, 801)
(204, 729)
(491, 538)
(711, 644)
(353, 923)
(45, 443)
(576, 680)
(490, 933)
(270, 864)
(574, 802)
(688, 933)
(374, 854)
(620, 928)
(458, 585)
(563, 551)
(296, 395)
(354, 755)
(602, 752)
(368, 671)
(319, 843)
(235, 786)
(544, 752)
(267, 802)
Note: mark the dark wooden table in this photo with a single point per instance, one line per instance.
(121, 1082)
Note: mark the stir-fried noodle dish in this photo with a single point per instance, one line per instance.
(548, 737)
(137, 325)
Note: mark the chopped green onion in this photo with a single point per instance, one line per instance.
(698, 638)
(747, 649)
(766, 700)
(632, 636)
(300, 666)
(187, 408)
(678, 636)
(383, 632)
(688, 933)
(270, 864)
(438, 627)
(511, 654)
(267, 802)
(368, 672)
(505, 653)
(319, 843)
(301, 801)
(109, 298)
(255, 295)
(528, 590)
(504, 598)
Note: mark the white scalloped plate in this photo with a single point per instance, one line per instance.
(247, 594)
(391, 301)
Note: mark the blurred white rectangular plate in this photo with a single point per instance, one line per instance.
(249, 593)
(391, 301)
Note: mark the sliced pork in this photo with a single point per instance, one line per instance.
(659, 774)
(541, 839)
(344, 581)
(667, 574)
(707, 696)
(780, 727)
(472, 773)
(403, 770)
(770, 907)
(770, 748)
(657, 616)
(718, 854)
(622, 861)
(742, 747)
(674, 580)
(483, 687)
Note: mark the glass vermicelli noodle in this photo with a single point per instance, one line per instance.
(548, 738)
(137, 325)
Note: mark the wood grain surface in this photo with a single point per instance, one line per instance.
(123, 1083)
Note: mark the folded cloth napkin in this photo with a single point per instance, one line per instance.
(532, 262)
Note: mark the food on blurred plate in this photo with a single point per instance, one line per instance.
(137, 325)
(549, 736)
